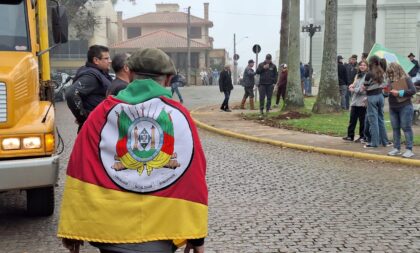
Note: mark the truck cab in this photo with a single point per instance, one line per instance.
(27, 116)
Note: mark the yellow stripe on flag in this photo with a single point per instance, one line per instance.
(93, 213)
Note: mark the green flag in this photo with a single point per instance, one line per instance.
(390, 56)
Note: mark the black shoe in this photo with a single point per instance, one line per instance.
(348, 138)
(359, 140)
(369, 146)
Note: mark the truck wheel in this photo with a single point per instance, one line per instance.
(40, 201)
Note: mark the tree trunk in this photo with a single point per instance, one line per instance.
(328, 99)
(284, 32)
(370, 25)
(294, 94)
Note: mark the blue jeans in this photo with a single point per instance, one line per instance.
(308, 86)
(225, 104)
(343, 92)
(375, 115)
(401, 118)
(174, 88)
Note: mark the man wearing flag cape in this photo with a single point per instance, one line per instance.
(136, 176)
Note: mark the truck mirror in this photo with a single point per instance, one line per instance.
(60, 25)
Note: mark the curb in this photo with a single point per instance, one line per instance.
(326, 151)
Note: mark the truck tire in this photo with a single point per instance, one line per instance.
(40, 201)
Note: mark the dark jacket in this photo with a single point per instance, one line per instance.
(308, 71)
(283, 79)
(413, 71)
(408, 93)
(225, 81)
(342, 74)
(87, 91)
(351, 70)
(116, 86)
(248, 78)
(267, 76)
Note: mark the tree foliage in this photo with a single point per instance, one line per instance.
(81, 17)
(328, 99)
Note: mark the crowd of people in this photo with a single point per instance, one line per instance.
(366, 84)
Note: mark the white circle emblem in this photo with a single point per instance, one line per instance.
(146, 147)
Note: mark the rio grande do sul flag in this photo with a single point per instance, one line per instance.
(136, 172)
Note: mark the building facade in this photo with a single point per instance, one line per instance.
(166, 29)
(397, 28)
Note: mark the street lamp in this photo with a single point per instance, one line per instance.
(311, 29)
(235, 59)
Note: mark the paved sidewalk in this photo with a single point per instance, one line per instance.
(233, 122)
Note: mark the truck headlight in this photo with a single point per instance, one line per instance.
(10, 144)
(31, 142)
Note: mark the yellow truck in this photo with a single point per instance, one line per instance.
(28, 159)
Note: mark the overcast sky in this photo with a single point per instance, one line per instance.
(259, 21)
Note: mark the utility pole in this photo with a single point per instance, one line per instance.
(189, 46)
(235, 62)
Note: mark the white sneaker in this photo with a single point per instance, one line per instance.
(408, 154)
(394, 152)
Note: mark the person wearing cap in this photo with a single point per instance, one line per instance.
(342, 81)
(135, 179)
(281, 85)
(249, 82)
(122, 74)
(268, 77)
(225, 86)
(413, 72)
(351, 69)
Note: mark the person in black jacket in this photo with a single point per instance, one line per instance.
(248, 83)
(351, 69)
(122, 74)
(90, 84)
(342, 81)
(268, 77)
(225, 86)
(413, 72)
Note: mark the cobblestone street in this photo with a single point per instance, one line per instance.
(264, 199)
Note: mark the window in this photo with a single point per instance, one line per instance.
(133, 32)
(195, 32)
(13, 26)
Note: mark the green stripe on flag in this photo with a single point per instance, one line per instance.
(391, 56)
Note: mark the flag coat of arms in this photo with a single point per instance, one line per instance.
(136, 172)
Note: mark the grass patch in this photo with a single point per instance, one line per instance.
(334, 124)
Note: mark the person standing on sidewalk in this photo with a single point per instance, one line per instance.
(401, 108)
(225, 86)
(281, 85)
(374, 82)
(351, 69)
(268, 77)
(358, 104)
(342, 81)
(307, 80)
(249, 82)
